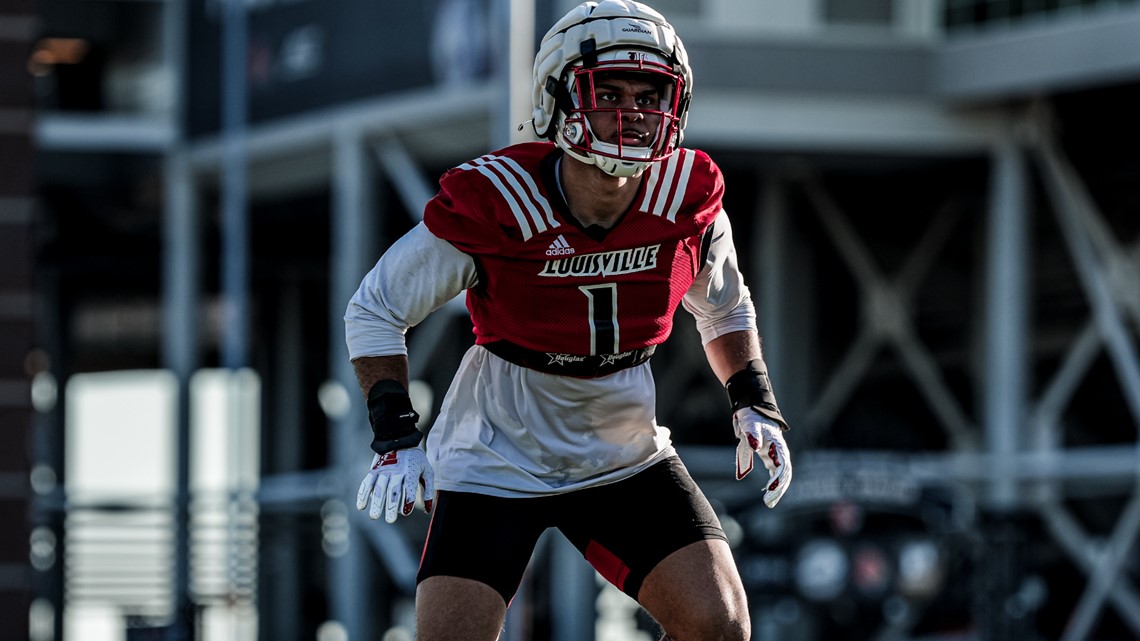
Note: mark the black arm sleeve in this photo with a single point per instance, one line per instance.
(392, 417)
(750, 387)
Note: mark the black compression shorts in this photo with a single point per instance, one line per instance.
(624, 529)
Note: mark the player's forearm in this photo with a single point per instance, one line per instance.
(731, 352)
(370, 369)
(738, 361)
(384, 381)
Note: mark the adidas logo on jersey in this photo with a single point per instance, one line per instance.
(560, 247)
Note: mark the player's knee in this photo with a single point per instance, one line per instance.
(707, 625)
(736, 627)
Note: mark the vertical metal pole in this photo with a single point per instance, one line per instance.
(777, 275)
(769, 241)
(350, 454)
(180, 354)
(235, 242)
(180, 291)
(1006, 320)
(516, 59)
(573, 616)
(235, 226)
(280, 593)
(769, 275)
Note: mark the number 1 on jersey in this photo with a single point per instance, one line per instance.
(603, 317)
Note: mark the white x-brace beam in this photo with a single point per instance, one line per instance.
(1103, 268)
(1109, 275)
(885, 303)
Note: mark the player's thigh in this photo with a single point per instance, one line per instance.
(625, 529)
(696, 593)
(483, 539)
(451, 608)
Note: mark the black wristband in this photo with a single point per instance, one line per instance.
(750, 387)
(392, 417)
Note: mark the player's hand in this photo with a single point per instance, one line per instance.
(391, 484)
(761, 435)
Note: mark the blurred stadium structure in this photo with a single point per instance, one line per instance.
(939, 205)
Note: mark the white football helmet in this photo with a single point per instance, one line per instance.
(604, 37)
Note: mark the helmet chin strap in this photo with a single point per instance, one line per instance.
(616, 167)
(611, 166)
(619, 168)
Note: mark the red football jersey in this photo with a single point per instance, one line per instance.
(549, 285)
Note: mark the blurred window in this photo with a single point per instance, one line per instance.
(966, 15)
(872, 12)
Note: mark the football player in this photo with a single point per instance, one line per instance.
(574, 253)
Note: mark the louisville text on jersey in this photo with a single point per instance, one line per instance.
(622, 261)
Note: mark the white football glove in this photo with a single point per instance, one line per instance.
(392, 483)
(761, 435)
